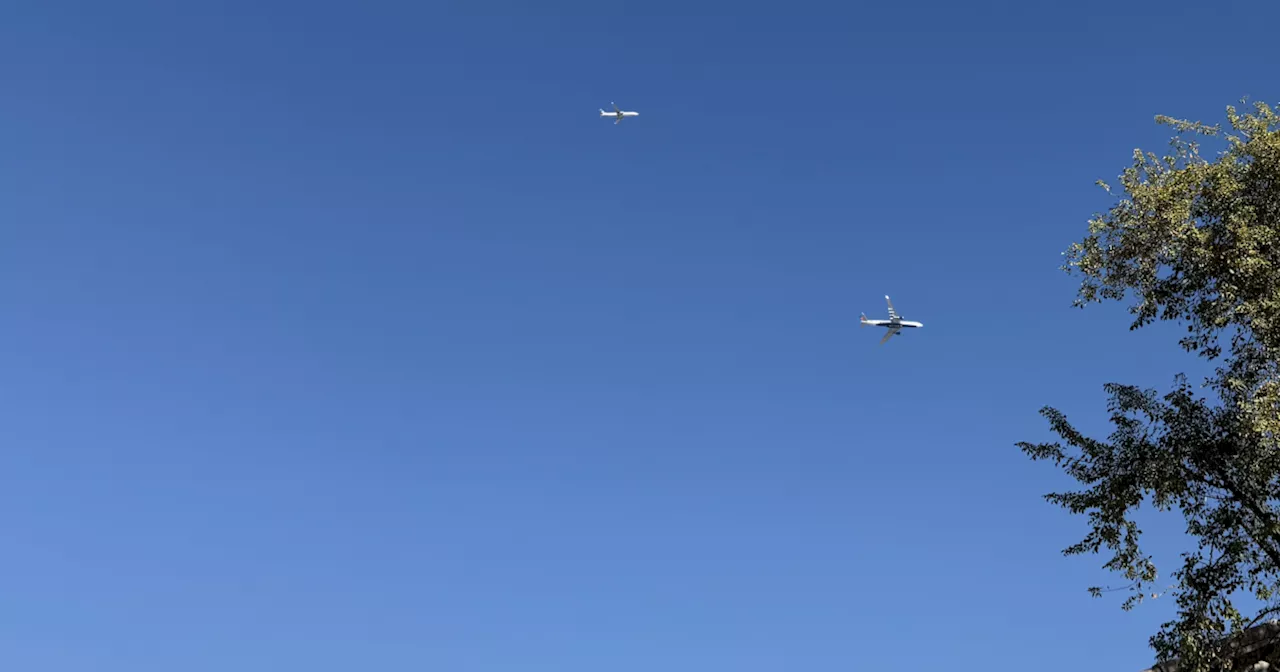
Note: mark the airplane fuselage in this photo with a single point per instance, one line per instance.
(905, 324)
(619, 114)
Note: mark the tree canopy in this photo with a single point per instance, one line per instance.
(1196, 241)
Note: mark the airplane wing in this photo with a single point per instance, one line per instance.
(615, 107)
(889, 335)
(893, 314)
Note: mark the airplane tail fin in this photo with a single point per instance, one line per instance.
(863, 321)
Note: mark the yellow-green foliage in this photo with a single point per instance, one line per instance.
(1195, 241)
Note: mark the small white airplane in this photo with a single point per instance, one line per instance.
(895, 324)
(618, 113)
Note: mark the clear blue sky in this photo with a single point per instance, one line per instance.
(344, 338)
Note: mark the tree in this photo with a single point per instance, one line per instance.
(1194, 241)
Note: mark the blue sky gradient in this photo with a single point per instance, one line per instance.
(344, 337)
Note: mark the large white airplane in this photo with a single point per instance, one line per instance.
(618, 113)
(895, 324)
